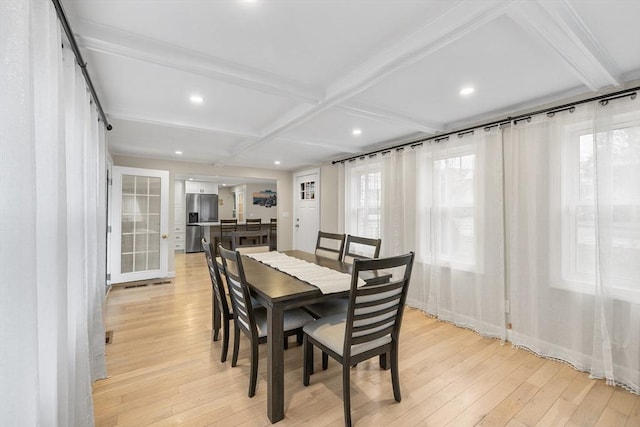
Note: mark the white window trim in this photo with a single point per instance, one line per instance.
(452, 263)
(563, 246)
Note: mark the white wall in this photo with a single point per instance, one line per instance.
(329, 199)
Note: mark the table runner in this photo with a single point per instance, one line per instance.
(327, 280)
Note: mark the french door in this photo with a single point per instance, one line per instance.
(140, 209)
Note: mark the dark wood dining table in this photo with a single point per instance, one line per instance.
(278, 291)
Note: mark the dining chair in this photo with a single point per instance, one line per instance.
(355, 247)
(252, 321)
(360, 247)
(226, 227)
(371, 327)
(253, 224)
(273, 233)
(330, 245)
(219, 299)
(240, 245)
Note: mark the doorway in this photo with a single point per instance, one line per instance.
(306, 200)
(140, 224)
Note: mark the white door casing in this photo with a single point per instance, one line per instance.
(306, 198)
(140, 224)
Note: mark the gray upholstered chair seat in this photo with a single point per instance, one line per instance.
(293, 319)
(330, 332)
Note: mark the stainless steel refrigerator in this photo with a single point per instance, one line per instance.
(200, 208)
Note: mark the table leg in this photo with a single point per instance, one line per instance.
(275, 364)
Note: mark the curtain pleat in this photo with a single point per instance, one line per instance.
(52, 255)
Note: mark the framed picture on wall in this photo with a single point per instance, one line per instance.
(266, 198)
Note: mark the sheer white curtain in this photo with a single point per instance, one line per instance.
(444, 201)
(51, 262)
(459, 230)
(573, 203)
(363, 180)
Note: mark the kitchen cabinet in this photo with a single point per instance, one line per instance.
(201, 187)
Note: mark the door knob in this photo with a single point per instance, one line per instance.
(164, 236)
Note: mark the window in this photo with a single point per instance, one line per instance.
(365, 201)
(454, 210)
(307, 190)
(618, 191)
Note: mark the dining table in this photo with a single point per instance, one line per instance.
(278, 291)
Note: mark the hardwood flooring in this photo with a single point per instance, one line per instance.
(164, 370)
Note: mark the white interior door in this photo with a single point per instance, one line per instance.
(140, 225)
(307, 213)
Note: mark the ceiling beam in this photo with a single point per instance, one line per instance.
(121, 115)
(104, 39)
(558, 25)
(331, 146)
(367, 111)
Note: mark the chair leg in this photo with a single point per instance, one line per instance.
(346, 392)
(384, 361)
(307, 368)
(395, 378)
(325, 361)
(253, 379)
(225, 340)
(236, 344)
(215, 318)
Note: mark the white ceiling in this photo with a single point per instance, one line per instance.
(289, 80)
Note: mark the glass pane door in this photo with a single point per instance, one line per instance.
(140, 231)
(140, 224)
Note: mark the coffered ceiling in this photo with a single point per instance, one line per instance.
(290, 80)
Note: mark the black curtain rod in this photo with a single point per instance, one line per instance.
(83, 65)
(604, 100)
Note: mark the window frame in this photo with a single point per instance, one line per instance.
(450, 261)
(564, 251)
(356, 193)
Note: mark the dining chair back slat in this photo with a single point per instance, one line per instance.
(253, 224)
(360, 247)
(330, 245)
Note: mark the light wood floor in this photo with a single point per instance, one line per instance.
(165, 370)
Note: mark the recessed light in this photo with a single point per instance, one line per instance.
(178, 152)
(467, 91)
(356, 131)
(277, 162)
(196, 99)
(190, 179)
